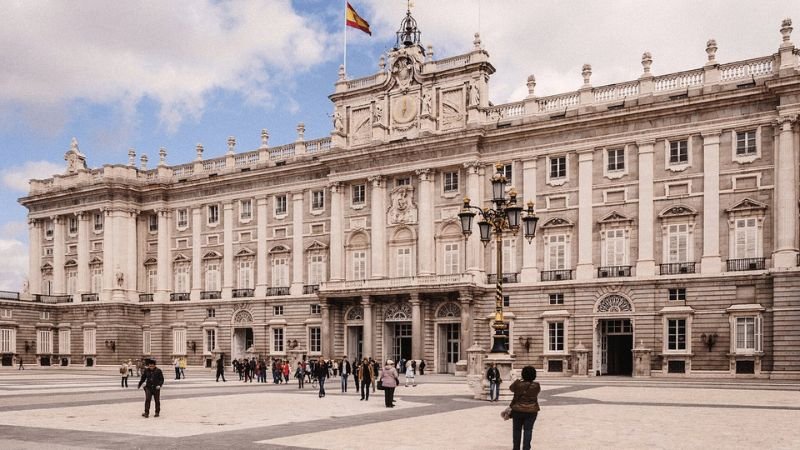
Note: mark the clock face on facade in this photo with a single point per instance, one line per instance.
(404, 109)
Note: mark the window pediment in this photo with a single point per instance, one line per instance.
(181, 258)
(71, 263)
(615, 218)
(747, 205)
(678, 211)
(557, 222)
(316, 246)
(279, 249)
(47, 266)
(212, 255)
(245, 252)
(147, 262)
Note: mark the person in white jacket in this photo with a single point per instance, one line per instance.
(411, 368)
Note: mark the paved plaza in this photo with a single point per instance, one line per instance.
(86, 408)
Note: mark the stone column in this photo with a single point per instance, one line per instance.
(35, 256)
(327, 350)
(530, 273)
(368, 345)
(227, 250)
(378, 226)
(197, 255)
(261, 247)
(711, 262)
(131, 253)
(59, 251)
(108, 254)
(646, 264)
(466, 324)
(164, 263)
(83, 253)
(426, 249)
(785, 255)
(474, 249)
(585, 267)
(297, 244)
(416, 327)
(337, 233)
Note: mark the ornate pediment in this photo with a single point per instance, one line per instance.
(244, 251)
(448, 310)
(747, 204)
(212, 255)
(614, 217)
(677, 211)
(403, 210)
(180, 257)
(147, 262)
(557, 222)
(398, 312)
(279, 249)
(355, 314)
(316, 246)
(47, 266)
(71, 263)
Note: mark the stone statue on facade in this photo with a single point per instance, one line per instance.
(426, 104)
(474, 95)
(377, 115)
(338, 125)
(403, 209)
(120, 277)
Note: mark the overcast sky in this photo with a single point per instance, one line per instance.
(147, 74)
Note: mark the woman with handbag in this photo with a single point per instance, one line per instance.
(389, 380)
(524, 407)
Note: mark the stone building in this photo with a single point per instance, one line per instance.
(668, 213)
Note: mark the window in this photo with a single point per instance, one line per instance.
(212, 277)
(406, 181)
(745, 239)
(679, 152)
(210, 342)
(555, 336)
(280, 272)
(556, 252)
(316, 269)
(509, 255)
(48, 229)
(360, 265)
(211, 313)
(557, 298)
(64, 344)
(451, 258)
(558, 167)
(616, 159)
(245, 275)
(748, 334)
(89, 341)
(677, 294)
(280, 205)
(73, 225)
(45, 315)
(213, 214)
(146, 342)
(404, 262)
(245, 209)
(5, 314)
(317, 200)
(506, 301)
(98, 222)
(615, 244)
(8, 340)
(152, 223)
(678, 243)
(277, 310)
(277, 340)
(746, 143)
(44, 342)
(316, 309)
(359, 192)
(72, 281)
(182, 218)
(451, 182)
(179, 341)
(182, 278)
(676, 334)
(508, 171)
(152, 280)
(48, 251)
(315, 340)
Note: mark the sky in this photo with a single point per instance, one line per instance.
(151, 74)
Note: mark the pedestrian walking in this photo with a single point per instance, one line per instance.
(345, 372)
(422, 367)
(177, 363)
(300, 374)
(389, 381)
(182, 364)
(130, 367)
(524, 407)
(153, 379)
(286, 371)
(321, 373)
(367, 375)
(123, 372)
(410, 375)
(21, 367)
(356, 365)
(221, 368)
(376, 369)
(493, 376)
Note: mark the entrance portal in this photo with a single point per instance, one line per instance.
(616, 341)
(449, 347)
(242, 340)
(401, 340)
(355, 342)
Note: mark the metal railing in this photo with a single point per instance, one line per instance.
(90, 298)
(738, 265)
(677, 268)
(145, 298)
(613, 271)
(273, 291)
(557, 275)
(41, 298)
(242, 293)
(9, 295)
(179, 297)
(510, 277)
(310, 289)
(210, 295)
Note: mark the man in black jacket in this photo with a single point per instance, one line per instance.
(493, 375)
(153, 379)
(321, 371)
(345, 372)
(221, 368)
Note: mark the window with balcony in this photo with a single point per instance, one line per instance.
(98, 222)
(212, 277)
(245, 274)
(181, 278)
(73, 226)
(280, 271)
(316, 269)
(48, 229)
(360, 265)
(556, 252)
(403, 262)
(451, 258)
(615, 248)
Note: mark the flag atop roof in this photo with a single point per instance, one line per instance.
(355, 21)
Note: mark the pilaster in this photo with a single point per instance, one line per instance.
(164, 263)
(426, 249)
(59, 251)
(585, 267)
(368, 343)
(785, 255)
(417, 342)
(529, 273)
(108, 254)
(197, 255)
(711, 262)
(297, 245)
(337, 230)
(261, 247)
(131, 254)
(227, 250)
(378, 226)
(35, 256)
(646, 265)
(466, 324)
(83, 253)
(474, 248)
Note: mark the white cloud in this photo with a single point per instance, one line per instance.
(174, 52)
(14, 270)
(17, 177)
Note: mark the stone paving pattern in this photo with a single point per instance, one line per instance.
(67, 409)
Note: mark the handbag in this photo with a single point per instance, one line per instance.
(506, 413)
(380, 385)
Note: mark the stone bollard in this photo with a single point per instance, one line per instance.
(580, 361)
(476, 375)
(641, 360)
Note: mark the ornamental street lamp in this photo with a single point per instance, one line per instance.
(504, 217)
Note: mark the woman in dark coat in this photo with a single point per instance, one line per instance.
(525, 407)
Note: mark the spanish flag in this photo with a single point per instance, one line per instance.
(354, 20)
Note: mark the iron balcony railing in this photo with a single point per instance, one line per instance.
(557, 275)
(41, 298)
(90, 298)
(9, 295)
(145, 298)
(210, 295)
(179, 297)
(273, 291)
(677, 268)
(613, 271)
(738, 265)
(510, 277)
(242, 293)
(310, 289)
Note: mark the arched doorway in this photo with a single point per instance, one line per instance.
(613, 336)
(448, 337)
(354, 332)
(241, 334)
(397, 329)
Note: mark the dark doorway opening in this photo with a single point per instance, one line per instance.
(620, 357)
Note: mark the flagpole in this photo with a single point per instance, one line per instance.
(345, 38)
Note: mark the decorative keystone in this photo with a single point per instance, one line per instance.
(711, 50)
(162, 156)
(199, 150)
(301, 131)
(786, 31)
(587, 74)
(477, 41)
(231, 145)
(131, 157)
(647, 61)
(143, 164)
(264, 138)
(531, 84)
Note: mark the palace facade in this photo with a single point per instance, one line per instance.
(667, 240)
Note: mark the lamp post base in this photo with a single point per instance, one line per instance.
(500, 344)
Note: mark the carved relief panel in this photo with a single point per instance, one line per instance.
(452, 113)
